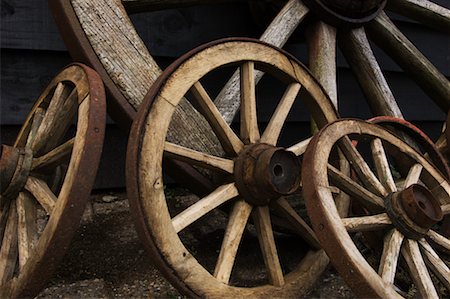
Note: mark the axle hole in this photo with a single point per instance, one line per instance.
(422, 205)
(278, 170)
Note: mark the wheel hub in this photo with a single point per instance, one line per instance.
(15, 165)
(346, 13)
(414, 211)
(264, 173)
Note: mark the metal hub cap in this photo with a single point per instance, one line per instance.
(414, 211)
(264, 173)
(346, 13)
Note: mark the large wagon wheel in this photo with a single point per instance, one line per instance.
(46, 178)
(128, 69)
(252, 174)
(404, 208)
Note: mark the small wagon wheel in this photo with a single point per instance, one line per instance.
(252, 174)
(46, 178)
(404, 209)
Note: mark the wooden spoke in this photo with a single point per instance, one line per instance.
(435, 263)
(367, 223)
(382, 165)
(27, 230)
(397, 45)
(4, 213)
(204, 206)
(261, 218)
(249, 119)
(322, 57)
(296, 222)
(42, 193)
(277, 34)
(427, 12)
(445, 209)
(356, 191)
(55, 157)
(439, 240)
(35, 124)
(342, 199)
(361, 168)
(57, 119)
(197, 158)
(391, 251)
(413, 175)
(299, 148)
(418, 269)
(230, 244)
(8, 251)
(229, 140)
(273, 130)
(358, 53)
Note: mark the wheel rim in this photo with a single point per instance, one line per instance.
(38, 221)
(161, 232)
(421, 252)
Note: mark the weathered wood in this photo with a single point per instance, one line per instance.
(391, 252)
(35, 124)
(445, 209)
(367, 223)
(221, 195)
(424, 11)
(27, 226)
(357, 51)
(151, 5)
(382, 165)
(439, 239)
(413, 175)
(418, 269)
(249, 118)
(261, 218)
(233, 234)
(299, 148)
(55, 157)
(390, 39)
(41, 193)
(435, 263)
(9, 248)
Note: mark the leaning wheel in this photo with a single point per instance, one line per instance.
(46, 178)
(405, 209)
(253, 175)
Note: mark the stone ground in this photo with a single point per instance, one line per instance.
(107, 260)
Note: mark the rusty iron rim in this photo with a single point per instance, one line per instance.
(41, 265)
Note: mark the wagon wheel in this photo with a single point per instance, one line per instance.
(46, 178)
(405, 209)
(252, 179)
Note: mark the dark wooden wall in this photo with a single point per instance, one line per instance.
(32, 52)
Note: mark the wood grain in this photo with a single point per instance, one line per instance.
(389, 258)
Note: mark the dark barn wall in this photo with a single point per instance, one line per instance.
(32, 52)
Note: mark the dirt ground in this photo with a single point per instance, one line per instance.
(107, 260)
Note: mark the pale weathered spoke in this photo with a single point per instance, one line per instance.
(397, 45)
(297, 223)
(424, 11)
(42, 193)
(367, 223)
(435, 263)
(8, 251)
(249, 119)
(273, 130)
(229, 140)
(413, 175)
(391, 251)
(27, 230)
(55, 157)
(35, 124)
(352, 188)
(382, 165)
(322, 57)
(357, 51)
(418, 269)
(261, 218)
(219, 196)
(362, 169)
(440, 240)
(445, 209)
(204, 160)
(277, 34)
(230, 244)
(299, 148)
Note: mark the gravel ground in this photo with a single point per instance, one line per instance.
(107, 260)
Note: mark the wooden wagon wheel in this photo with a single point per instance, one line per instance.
(252, 175)
(405, 209)
(46, 178)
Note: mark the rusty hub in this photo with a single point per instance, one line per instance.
(15, 165)
(264, 173)
(414, 211)
(346, 13)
